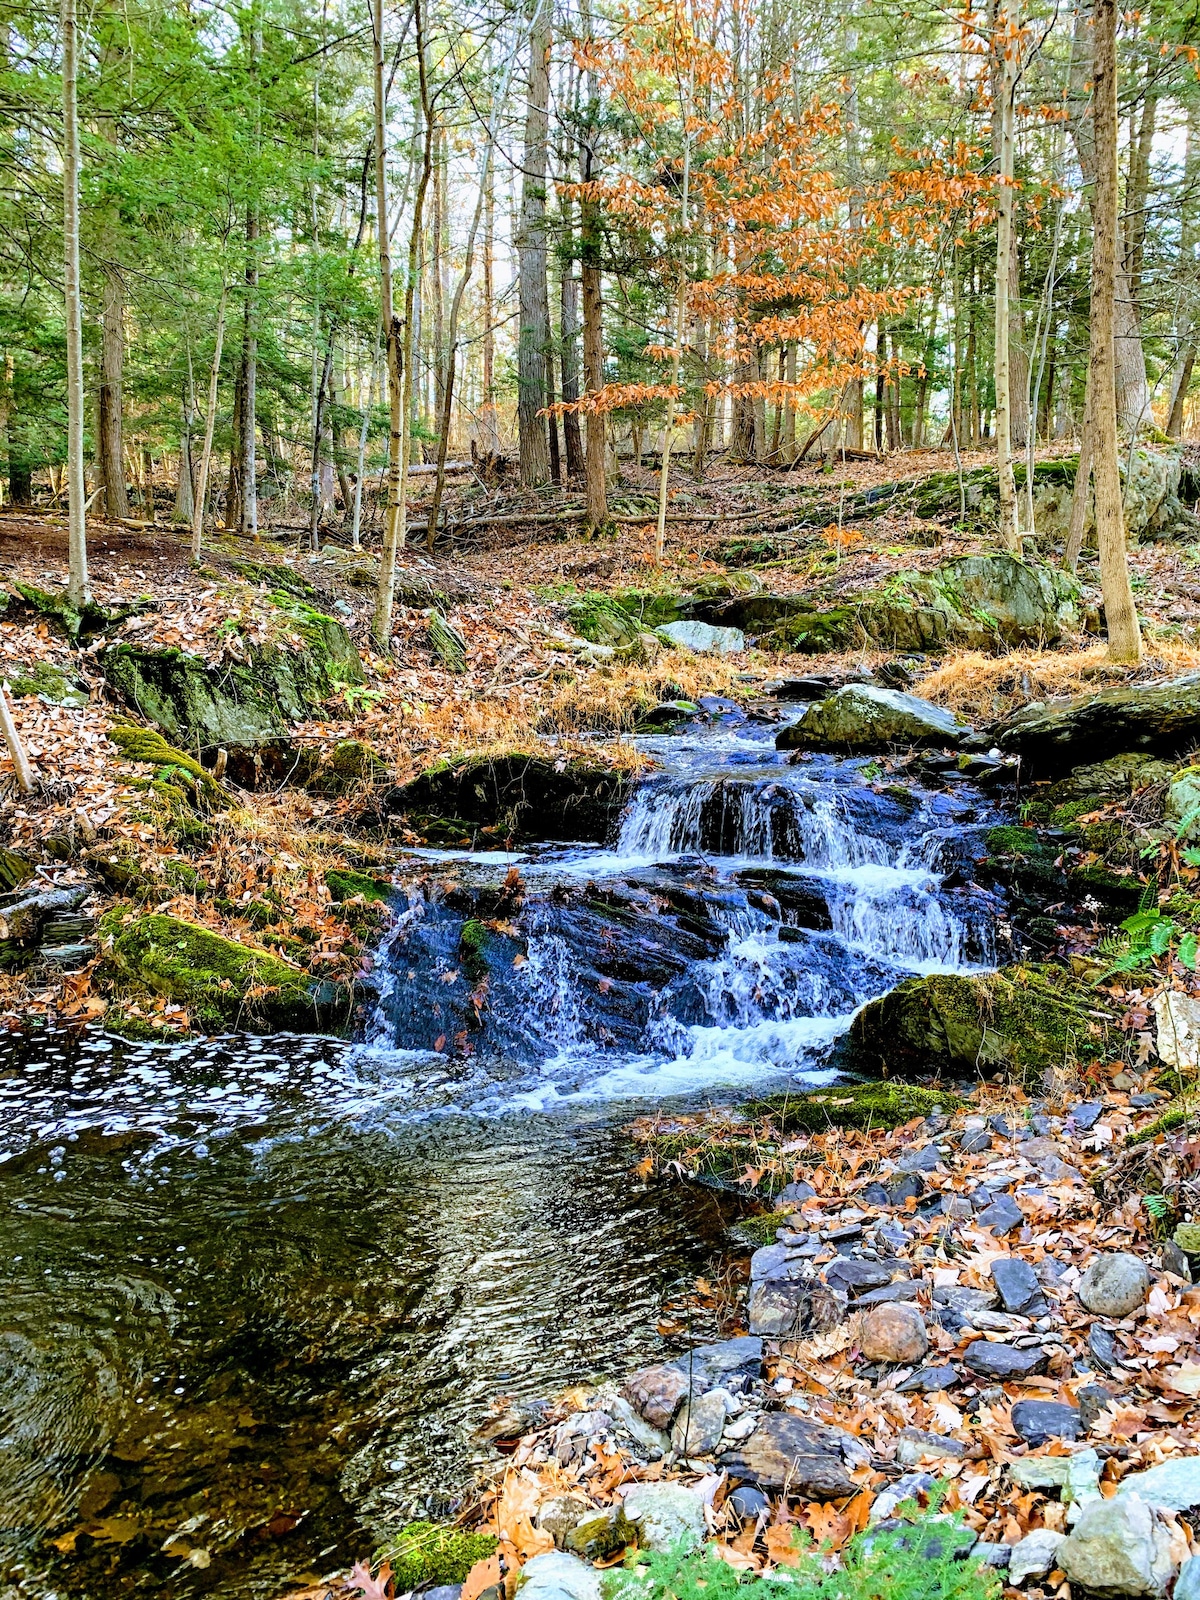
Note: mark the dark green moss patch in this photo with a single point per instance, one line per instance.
(425, 1554)
(851, 1105)
(344, 885)
(148, 745)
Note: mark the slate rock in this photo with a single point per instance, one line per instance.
(776, 1262)
(999, 1124)
(996, 1556)
(960, 1298)
(813, 1460)
(853, 1276)
(1087, 1114)
(1173, 1485)
(1003, 1361)
(779, 1308)
(1118, 1547)
(555, 1575)
(1039, 1420)
(1103, 1346)
(890, 1294)
(894, 1335)
(794, 1194)
(913, 1446)
(699, 1424)
(929, 1380)
(1020, 1291)
(926, 1159)
(1114, 1285)
(702, 637)
(1034, 1556)
(1092, 1401)
(973, 1143)
(712, 1366)
(666, 1514)
(1175, 1261)
(1002, 1216)
(875, 1195)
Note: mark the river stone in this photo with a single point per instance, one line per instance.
(905, 1289)
(794, 1194)
(712, 1365)
(1003, 1361)
(1173, 1485)
(702, 637)
(600, 1534)
(852, 1275)
(1118, 1547)
(558, 1515)
(810, 1458)
(913, 1446)
(555, 1575)
(651, 1439)
(1054, 736)
(894, 1334)
(975, 1142)
(655, 1393)
(749, 1503)
(1019, 1288)
(1114, 1285)
(1187, 1584)
(1039, 1420)
(777, 1261)
(930, 1380)
(1033, 1556)
(864, 717)
(778, 1308)
(960, 1298)
(926, 1159)
(699, 1425)
(666, 1514)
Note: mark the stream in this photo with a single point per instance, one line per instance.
(258, 1293)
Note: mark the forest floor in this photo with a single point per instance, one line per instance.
(505, 586)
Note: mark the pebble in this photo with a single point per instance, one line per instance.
(1039, 1420)
(1114, 1285)
(1103, 1346)
(1019, 1288)
(923, 1160)
(1175, 1261)
(558, 1515)
(1034, 1556)
(894, 1334)
(1000, 1125)
(1004, 1361)
(794, 1194)
(975, 1142)
(913, 1446)
(748, 1503)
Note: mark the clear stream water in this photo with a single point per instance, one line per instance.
(258, 1292)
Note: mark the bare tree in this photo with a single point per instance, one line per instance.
(78, 588)
(534, 336)
(209, 424)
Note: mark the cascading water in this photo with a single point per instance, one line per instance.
(748, 907)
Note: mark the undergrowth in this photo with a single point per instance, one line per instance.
(916, 1561)
(982, 687)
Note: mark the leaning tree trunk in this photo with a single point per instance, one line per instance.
(78, 588)
(1124, 637)
(533, 339)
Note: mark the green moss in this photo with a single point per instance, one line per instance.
(350, 762)
(757, 1230)
(601, 620)
(448, 644)
(286, 579)
(471, 943)
(851, 1105)
(1011, 841)
(425, 1554)
(14, 869)
(50, 683)
(1120, 895)
(344, 884)
(222, 983)
(148, 746)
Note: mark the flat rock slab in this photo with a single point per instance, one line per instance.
(929, 1380)
(1056, 736)
(1173, 1485)
(1039, 1420)
(1020, 1291)
(806, 1456)
(1003, 1361)
(1002, 1216)
(853, 1276)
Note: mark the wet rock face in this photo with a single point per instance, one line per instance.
(864, 717)
(517, 796)
(1053, 737)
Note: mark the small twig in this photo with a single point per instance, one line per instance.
(13, 740)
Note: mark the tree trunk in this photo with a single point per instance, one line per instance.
(78, 588)
(209, 424)
(534, 334)
(1004, 50)
(569, 331)
(110, 444)
(1189, 233)
(184, 488)
(1079, 494)
(1124, 636)
(591, 287)
(489, 432)
(249, 517)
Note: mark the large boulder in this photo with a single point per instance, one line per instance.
(1020, 1020)
(1118, 1547)
(863, 716)
(515, 795)
(1053, 736)
(806, 1457)
(249, 701)
(223, 984)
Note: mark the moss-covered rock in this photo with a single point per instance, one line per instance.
(1021, 1021)
(14, 870)
(866, 717)
(349, 763)
(343, 884)
(223, 984)
(1054, 736)
(73, 621)
(851, 1105)
(425, 1554)
(516, 795)
(447, 643)
(601, 619)
(49, 682)
(147, 745)
(246, 702)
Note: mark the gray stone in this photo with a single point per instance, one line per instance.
(747, 1502)
(864, 717)
(929, 1380)
(700, 1424)
(1187, 1584)
(600, 1534)
(894, 1335)
(852, 1276)
(906, 1289)
(666, 1514)
(960, 1298)
(1019, 1288)
(1057, 735)
(1173, 1485)
(806, 1456)
(778, 1308)
(1003, 1361)
(923, 1160)
(651, 1439)
(999, 1124)
(711, 1366)
(702, 637)
(1092, 1401)
(1002, 1216)
(1118, 1547)
(1087, 1114)
(1034, 1556)
(1114, 1285)
(555, 1575)
(794, 1194)
(1077, 1476)
(558, 1515)
(905, 1489)
(1103, 1346)
(1039, 1420)
(1175, 1261)
(913, 1446)
(655, 1393)
(776, 1261)
(997, 1556)
(974, 1143)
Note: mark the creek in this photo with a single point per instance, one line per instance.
(259, 1292)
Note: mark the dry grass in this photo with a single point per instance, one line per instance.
(615, 700)
(983, 688)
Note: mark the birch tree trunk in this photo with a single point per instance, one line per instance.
(1124, 636)
(591, 286)
(78, 588)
